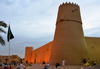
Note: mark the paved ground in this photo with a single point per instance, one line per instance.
(40, 66)
(37, 66)
(92, 67)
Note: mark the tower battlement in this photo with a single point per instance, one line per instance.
(69, 12)
(69, 3)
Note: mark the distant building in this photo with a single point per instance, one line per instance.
(13, 59)
(69, 42)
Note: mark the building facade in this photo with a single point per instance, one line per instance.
(13, 59)
(69, 42)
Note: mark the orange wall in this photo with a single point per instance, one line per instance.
(41, 54)
(28, 54)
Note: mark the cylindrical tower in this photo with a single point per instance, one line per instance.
(69, 42)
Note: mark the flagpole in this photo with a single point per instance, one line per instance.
(9, 51)
(9, 45)
(9, 37)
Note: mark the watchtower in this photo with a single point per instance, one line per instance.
(69, 42)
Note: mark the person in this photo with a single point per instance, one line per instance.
(10, 67)
(18, 66)
(84, 61)
(21, 66)
(57, 64)
(5, 67)
(45, 67)
(63, 62)
(48, 65)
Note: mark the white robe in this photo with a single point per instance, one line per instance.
(21, 66)
(63, 62)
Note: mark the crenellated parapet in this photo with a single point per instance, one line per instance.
(69, 3)
(69, 12)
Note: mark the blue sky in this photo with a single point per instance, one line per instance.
(33, 21)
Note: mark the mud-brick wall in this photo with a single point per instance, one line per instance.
(42, 54)
(93, 44)
(28, 54)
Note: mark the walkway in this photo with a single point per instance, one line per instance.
(39, 66)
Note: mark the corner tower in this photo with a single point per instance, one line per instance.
(28, 54)
(69, 42)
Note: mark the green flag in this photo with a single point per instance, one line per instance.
(9, 35)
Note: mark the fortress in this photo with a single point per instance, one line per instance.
(69, 42)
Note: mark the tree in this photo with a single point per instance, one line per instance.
(2, 24)
(6, 59)
(21, 60)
